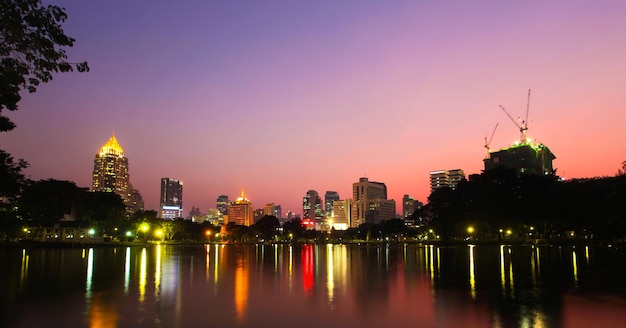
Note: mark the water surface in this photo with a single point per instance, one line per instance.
(402, 285)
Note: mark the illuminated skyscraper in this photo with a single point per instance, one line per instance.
(171, 198)
(342, 214)
(240, 212)
(365, 192)
(329, 199)
(110, 171)
(312, 213)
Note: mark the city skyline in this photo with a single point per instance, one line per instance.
(283, 97)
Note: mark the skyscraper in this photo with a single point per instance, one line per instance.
(110, 171)
(312, 212)
(445, 178)
(329, 199)
(171, 203)
(240, 212)
(342, 214)
(365, 192)
(222, 204)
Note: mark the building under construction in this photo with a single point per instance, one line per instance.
(525, 156)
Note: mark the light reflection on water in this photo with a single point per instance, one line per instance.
(367, 285)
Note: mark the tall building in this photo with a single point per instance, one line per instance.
(278, 211)
(268, 209)
(110, 171)
(342, 214)
(240, 211)
(363, 192)
(380, 209)
(526, 158)
(222, 204)
(312, 212)
(408, 206)
(445, 178)
(171, 203)
(136, 201)
(329, 198)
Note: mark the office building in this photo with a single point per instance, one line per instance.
(222, 204)
(380, 209)
(445, 178)
(110, 172)
(409, 206)
(171, 202)
(240, 211)
(342, 214)
(363, 192)
(312, 212)
(329, 198)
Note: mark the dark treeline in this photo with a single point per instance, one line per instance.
(501, 203)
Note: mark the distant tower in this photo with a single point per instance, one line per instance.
(364, 193)
(329, 198)
(136, 200)
(445, 178)
(240, 212)
(222, 204)
(171, 198)
(270, 210)
(278, 212)
(312, 212)
(110, 171)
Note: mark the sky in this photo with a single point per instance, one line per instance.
(280, 97)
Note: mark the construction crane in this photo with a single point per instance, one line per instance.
(523, 126)
(488, 141)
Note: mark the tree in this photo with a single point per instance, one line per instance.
(11, 178)
(12, 181)
(266, 227)
(32, 45)
(622, 170)
(45, 202)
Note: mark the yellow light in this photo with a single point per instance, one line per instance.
(508, 232)
(158, 233)
(144, 227)
(208, 232)
(470, 229)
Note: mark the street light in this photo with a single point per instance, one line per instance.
(208, 235)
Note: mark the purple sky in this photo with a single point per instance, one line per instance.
(280, 97)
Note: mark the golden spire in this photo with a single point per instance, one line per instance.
(242, 198)
(112, 147)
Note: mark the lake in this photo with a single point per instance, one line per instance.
(397, 285)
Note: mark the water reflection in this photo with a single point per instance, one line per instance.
(472, 278)
(89, 273)
(127, 270)
(24, 268)
(329, 285)
(143, 275)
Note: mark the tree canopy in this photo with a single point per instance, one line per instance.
(32, 43)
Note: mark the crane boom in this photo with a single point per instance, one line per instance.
(488, 142)
(511, 117)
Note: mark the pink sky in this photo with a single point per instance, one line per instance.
(281, 97)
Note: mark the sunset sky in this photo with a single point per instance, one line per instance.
(280, 97)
